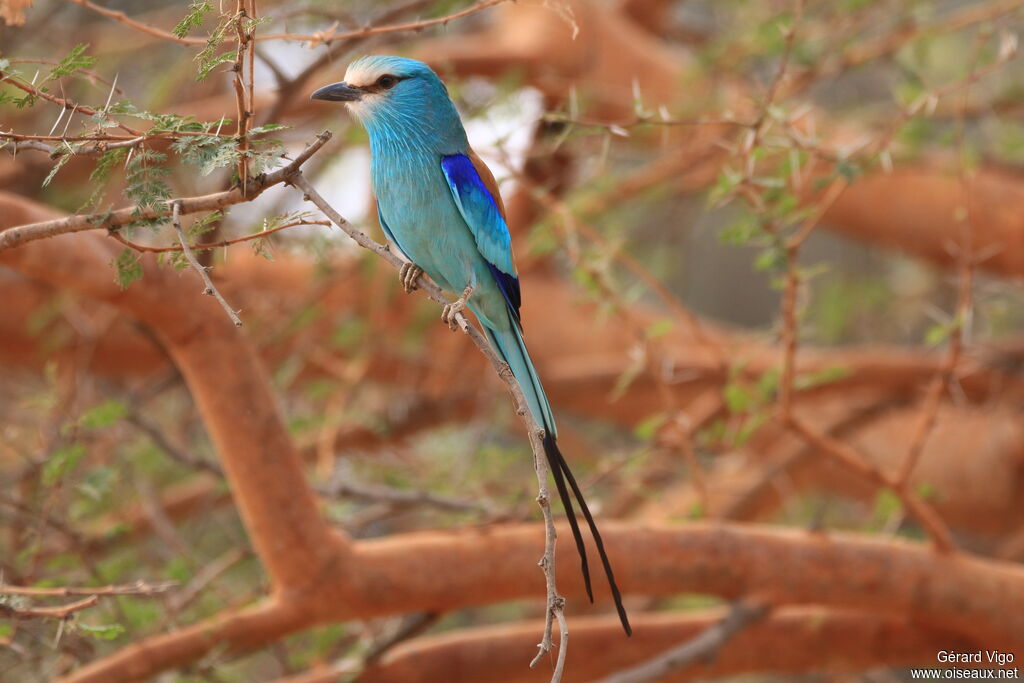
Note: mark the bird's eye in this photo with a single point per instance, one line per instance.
(387, 82)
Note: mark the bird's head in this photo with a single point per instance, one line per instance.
(393, 90)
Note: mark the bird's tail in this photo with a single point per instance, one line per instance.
(511, 347)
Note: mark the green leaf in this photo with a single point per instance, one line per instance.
(737, 398)
(106, 163)
(62, 461)
(145, 178)
(741, 231)
(937, 334)
(73, 62)
(827, 375)
(100, 631)
(649, 427)
(196, 12)
(207, 65)
(103, 415)
(128, 268)
(259, 130)
(659, 328)
(209, 152)
(887, 505)
(772, 258)
(63, 159)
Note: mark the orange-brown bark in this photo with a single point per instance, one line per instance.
(919, 210)
(791, 641)
(227, 382)
(443, 571)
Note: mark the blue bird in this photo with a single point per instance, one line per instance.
(439, 205)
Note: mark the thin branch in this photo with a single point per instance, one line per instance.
(123, 18)
(199, 246)
(204, 577)
(55, 151)
(136, 588)
(208, 286)
(404, 497)
(555, 603)
(56, 612)
(92, 597)
(703, 647)
(88, 73)
(66, 104)
(173, 452)
(925, 514)
(15, 236)
(329, 36)
(318, 38)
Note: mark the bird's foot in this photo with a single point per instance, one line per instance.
(408, 275)
(450, 312)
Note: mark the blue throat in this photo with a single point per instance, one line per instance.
(420, 119)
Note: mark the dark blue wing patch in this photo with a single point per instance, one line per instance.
(509, 286)
(480, 211)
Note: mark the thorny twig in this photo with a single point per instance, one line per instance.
(21, 234)
(214, 245)
(208, 286)
(62, 612)
(325, 37)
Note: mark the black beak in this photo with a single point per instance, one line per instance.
(338, 92)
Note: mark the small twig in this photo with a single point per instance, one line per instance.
(319, 38)
(57, 612)
(208, 286)
(66, 104)
(403, 497)
(123, 18)
(705, 646)
(930, 520)
(136, 588)
(203, 578)
(410, 626)
(62, 612)
(198, 246)
(172, 451)
(328, 36)
(88, 73)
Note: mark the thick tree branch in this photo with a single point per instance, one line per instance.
(788, 642)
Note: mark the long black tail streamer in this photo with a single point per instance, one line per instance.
(561, 472)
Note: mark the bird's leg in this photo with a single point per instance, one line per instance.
(408, 275)
(450, 311)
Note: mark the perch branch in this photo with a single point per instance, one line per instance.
(555, 603)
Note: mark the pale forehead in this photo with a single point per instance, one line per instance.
(364, 73)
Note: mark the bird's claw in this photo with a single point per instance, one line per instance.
(450, 312)
(408, 275)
